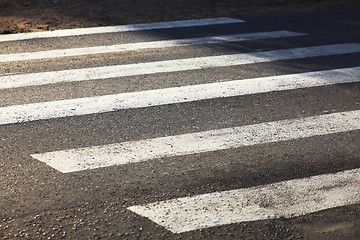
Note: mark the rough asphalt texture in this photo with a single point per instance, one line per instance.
(38, 202)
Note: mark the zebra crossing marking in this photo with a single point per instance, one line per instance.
(97, 73)
(149, 98)
(144, 45)
(120, 28)
(87, 158)
(285, 199)
(213, 209)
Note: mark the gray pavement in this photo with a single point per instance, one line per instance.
(39, 202)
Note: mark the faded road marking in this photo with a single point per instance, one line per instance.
(144, 45)
(86, 74)
(283, 199)
(115, 29)
(80, 159)
(150, 98)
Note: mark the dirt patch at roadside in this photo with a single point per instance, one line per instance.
(41, 15)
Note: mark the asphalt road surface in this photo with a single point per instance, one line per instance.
(204, 129)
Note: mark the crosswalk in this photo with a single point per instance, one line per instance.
(108, 103)
(86, 74)
(144, 45)
(216, 208)
(116, 29)
(213, 209)
(149, 149)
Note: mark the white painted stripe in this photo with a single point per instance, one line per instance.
(87, 74)
(144, 45)
(109, 103)
(137, 151)
(121, 28)
(283, 199)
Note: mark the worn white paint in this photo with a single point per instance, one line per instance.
(283, 199)
(144, 45)
(114, 29)
(149, 149)
(149, 98)
(97, 73)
